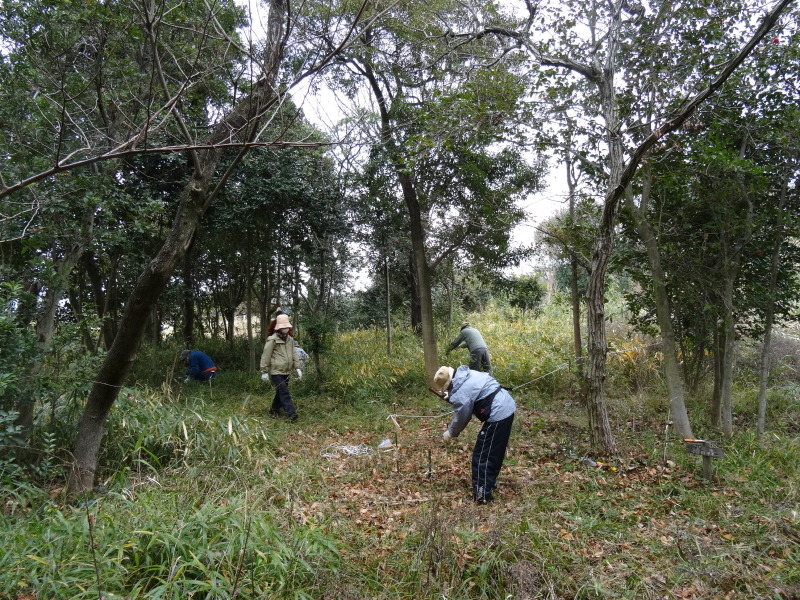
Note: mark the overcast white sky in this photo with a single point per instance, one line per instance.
(325, 109)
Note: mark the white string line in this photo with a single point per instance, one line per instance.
(420, 416)
(567, 364)
(559, 368)
(102, 383)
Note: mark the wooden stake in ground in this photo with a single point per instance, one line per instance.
(707, 450)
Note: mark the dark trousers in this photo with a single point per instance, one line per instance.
(478, 358)
(282, 396)
(488, 455)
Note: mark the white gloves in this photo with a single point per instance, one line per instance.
(299, 374)
(446, 396)
(446, 435)
(186, 380)
(265, 377)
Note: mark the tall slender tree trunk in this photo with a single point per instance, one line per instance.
(188, 300)
(155, 317)
(195, 199)
(388, 308)
(763, 378)
(264, 302)
(451, 292)
(550, 273)
(251, 346)
(76, 304)
(101, 292)
(728, 341)
(672, 373)
(229, 323)
(577, 341)
(715, 408)
(415, 311)
(296, 293)
(730, 270)
(420, 268)
(764, 367)
(732, 257)
(423, 277)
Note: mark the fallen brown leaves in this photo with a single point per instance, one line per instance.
(622, 516)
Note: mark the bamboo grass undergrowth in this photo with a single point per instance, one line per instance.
(207, 497)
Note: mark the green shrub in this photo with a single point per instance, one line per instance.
(357, 367)
(147, 432)
(159, 365)
(18, 349)
(148, 545)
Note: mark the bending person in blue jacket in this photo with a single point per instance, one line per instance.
(476, 393)
(201, 367)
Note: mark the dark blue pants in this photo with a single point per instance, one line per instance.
(487, 457)
(282, 396)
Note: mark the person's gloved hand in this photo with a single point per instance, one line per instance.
(446, 396)
(299, 374)
(265, 377)
(446, 435)
(186, 380)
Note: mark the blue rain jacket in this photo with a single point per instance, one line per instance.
(469, 387)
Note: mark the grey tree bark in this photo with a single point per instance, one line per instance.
(577, 341)
(388, 308)
(672, 372)
(620, 175)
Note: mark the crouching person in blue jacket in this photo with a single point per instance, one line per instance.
(201, 367)
(476, 393)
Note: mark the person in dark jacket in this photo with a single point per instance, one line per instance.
(201, 367)
(478, 352)
(475, 393)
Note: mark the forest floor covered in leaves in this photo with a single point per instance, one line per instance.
(643, 524)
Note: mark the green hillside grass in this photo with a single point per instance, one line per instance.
(206, 497)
